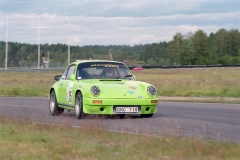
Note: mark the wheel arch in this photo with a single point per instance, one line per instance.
(82, 93)
(56, 93)
(78, 90)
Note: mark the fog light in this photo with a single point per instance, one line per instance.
(97, 101)
(154, 101)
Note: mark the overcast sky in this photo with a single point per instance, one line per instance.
(112, 22)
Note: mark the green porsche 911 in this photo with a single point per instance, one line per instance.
(101, 87)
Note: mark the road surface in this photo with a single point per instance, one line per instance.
(214, 121)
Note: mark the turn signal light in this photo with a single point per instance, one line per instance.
(97, 101)
(154, 101)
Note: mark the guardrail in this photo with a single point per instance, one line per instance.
(130, 67)
(32, 70)
(186, 66)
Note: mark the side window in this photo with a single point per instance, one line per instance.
(64, 74)
(70, 71)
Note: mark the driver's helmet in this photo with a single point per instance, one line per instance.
(109, 72)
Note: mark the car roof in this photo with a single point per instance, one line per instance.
(90, 61)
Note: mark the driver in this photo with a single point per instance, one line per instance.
(109, 72)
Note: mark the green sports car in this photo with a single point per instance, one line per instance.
(101, 87)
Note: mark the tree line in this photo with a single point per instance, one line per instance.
(222, 47)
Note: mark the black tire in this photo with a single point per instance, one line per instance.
(146, 115)
(79, 106)
(121, 116)
(53, 107)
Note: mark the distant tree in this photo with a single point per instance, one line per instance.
(144, 56)
(234, 42)
(175, 47)
(155, 53)
(212, 49)
(2, 55)
(200, 43)
(221, 42)
(187, 53)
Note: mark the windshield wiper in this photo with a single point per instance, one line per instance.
(130, 75)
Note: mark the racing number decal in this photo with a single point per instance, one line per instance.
(69, 92)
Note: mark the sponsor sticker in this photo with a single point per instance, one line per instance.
(69, 92)
(130, 92)
(132, 87)
(106, 65)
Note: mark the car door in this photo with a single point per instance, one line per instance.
(60, 87)
(66, 88)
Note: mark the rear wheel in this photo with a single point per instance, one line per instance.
(53, 107)
(79, 106)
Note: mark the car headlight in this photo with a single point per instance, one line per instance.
(95, 91)
(151, 90)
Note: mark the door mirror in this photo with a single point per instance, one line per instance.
(57, 77)
(72, 77)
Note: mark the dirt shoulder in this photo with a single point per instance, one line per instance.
(201, 99)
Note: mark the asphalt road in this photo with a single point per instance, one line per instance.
(213, 121)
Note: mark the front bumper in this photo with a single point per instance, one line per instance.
(107, 105)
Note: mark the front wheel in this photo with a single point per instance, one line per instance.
(79, 106)
(53, 107)
(146, 115)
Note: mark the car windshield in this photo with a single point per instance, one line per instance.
(103, 70)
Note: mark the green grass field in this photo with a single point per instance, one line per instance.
(198, 82)
(207, 82)
(28, 141)
(26, 83)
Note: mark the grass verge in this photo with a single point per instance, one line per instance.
(201, 99)
(193, 82)
(24, 140)
(26, 83)
(218, 83)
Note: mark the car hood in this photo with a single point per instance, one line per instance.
(119, 88)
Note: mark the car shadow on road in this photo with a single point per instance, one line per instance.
(120, 116)
(96, 116)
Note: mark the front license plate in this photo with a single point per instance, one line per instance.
(127, 110)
